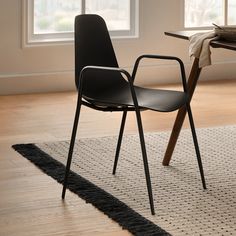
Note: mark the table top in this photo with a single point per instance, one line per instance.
(186, 34)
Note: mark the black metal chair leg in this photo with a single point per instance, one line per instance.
(122, 126)
(196, 145)
(72, 142)
(145, 161)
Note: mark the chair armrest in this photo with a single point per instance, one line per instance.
(103, 68)
(162, 57)
(122, 71)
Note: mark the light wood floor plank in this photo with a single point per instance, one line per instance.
(30, 202)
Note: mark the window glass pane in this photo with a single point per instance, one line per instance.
(116, 13)
(53, 16)
(51, 21)
(232, 12)
(203, 12)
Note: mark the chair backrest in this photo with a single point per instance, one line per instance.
(93, 47)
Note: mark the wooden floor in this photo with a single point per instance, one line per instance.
(30, 202)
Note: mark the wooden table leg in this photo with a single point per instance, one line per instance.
(192, 82)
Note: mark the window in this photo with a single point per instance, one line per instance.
(53, 20)
(202, 13)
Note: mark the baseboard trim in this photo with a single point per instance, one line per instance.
(37, 83)
(148, 75)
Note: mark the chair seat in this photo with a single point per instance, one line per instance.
(153, 99)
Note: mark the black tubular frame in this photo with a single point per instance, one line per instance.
(135, 69)
(139, 123)
(188, 107)
(125, 109)
(149, 56)
(197, 150)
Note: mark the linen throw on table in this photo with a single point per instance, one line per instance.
(200, 47)
(182, 206)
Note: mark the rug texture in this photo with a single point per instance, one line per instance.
(182, 206)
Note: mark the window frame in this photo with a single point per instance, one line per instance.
(225, 17)
(31, 39)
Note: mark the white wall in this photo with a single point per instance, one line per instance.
(50, 68)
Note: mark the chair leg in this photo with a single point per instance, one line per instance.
(145, 161)
(72, 142)
(196, 145)
(122, 126)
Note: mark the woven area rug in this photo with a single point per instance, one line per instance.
(182, 206)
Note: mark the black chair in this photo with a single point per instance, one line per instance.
(103, 86)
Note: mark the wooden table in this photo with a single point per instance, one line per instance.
(192, 82)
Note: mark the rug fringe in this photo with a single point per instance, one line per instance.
(105, 202)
